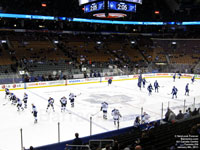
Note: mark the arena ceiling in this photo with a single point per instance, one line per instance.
(168, 9)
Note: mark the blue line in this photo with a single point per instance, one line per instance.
(72, 113)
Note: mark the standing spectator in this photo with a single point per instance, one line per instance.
(190, 112)
(180, 115)
(137, 122)
(77, 141)
(145, 118)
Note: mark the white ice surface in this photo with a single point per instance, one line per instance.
(123, 95)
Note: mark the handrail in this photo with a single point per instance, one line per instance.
(77, 146)
(100, 141)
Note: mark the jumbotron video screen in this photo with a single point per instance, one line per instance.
(82, 2)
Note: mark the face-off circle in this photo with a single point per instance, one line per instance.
(110, 15)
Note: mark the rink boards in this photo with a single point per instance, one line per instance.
(31, 85)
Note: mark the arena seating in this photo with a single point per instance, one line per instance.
(181, 51)
(161, 136)
(38, 52)
(158, 138)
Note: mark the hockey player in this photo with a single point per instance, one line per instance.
(150, 88)
(174, 92)
(116, 115)
(50, 103)
(156, 86)
(63, 102)
(104, 108)
(193, 79)
(187, 89)
(19, 104)
(179, 75)
(71, 98)
(139, 85)
(140, 78)
(145, 118)
(25, 100)
(174, 77)
(144, 82)
(7, 92)
(34, 112)
(13, 98)
(109, 81)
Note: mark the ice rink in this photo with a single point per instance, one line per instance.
(123, 95)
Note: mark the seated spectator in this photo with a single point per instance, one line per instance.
(172, 117)
(195, 130)
(138, 147)
(195, 112)
(144, 137)
(180, 115)
(137, 122)
(150, 126)
(187, 115)
(167, 115)
(116, 146)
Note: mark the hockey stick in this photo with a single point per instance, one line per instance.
(69, 112)
(96, 113)
(5, 103)
(78, 94)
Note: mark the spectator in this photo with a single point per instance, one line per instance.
(195, 130)
(107, 147)
(172, 117)
(116, 146)
(145, 118)
(150, 126)
(195, 112)
(187, 115)
(190, 112)
(76, 141)
(180, 115)
(31, 148)
(138, 147)
(144, 137)
(137, 122)
(167, 115)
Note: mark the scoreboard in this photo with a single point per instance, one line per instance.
(96, 6)
(113, 5)
(121, 6)
(82, 2)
